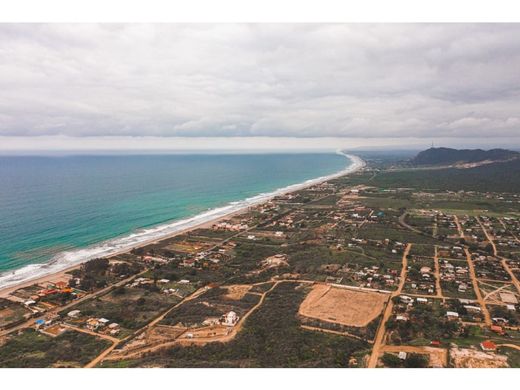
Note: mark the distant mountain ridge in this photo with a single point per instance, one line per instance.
(448, 156)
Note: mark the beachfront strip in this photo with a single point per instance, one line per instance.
(351, 272)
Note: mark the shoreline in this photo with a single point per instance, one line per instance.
(177, 227)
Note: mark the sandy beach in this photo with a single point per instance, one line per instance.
(61, 274)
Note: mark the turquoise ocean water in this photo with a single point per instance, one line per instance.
(51, 206)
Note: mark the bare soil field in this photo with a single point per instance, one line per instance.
(471, 358)
(343, 306)
(236, 291)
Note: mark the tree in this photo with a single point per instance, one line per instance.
(415, 360)
(390, 360)
(96, 266)
(489, 249)
(120, 290)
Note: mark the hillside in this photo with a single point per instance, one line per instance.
(499, 177)
(448, 156)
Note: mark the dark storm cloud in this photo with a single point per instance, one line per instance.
(443, 80)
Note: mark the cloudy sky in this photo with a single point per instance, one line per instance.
(67, 86)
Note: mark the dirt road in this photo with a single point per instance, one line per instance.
(488, 236)
(509, 346)
(70, 305)
(459, 227)
(402, 222)
(346, 334)
(508, 230)
(474, 281)
(511, 274)
(437, 274)
(379, 339)
(194, 341)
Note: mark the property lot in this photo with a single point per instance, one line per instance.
(343, 306)
(11, 313)
(130, 307)
(33, 349)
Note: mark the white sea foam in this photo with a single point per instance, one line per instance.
(140, 237)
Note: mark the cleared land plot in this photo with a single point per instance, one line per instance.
(237, 291)
(343, 306)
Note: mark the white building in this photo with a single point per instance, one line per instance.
(74, 313)
(230, 319)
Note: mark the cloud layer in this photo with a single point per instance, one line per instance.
(357, 81)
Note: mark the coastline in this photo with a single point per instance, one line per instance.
(57, 268)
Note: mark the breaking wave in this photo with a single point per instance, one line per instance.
(141, 237)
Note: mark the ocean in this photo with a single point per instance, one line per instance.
(58, 211)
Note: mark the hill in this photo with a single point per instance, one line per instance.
(497, 177)
(448, 156)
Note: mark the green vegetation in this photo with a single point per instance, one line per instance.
(212, 303)
(426, 321)
(33, 349)
(271, 337)
(498, 177)
(129, 307)
(11, 313)
(444, 156)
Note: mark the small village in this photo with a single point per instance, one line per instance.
(390, 272)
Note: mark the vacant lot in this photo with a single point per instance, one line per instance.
(343, 306)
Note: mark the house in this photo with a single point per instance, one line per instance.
(230, 319)
(103, 321)
(61, 285)
(401, 318)
(472, 309)
(402, 355)
(74, 313)
(29, 302)
(189, 262)
(422, 300)
(500, 320)
(452, 315)
(92, 324)
(497, 329)
(488, 346)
